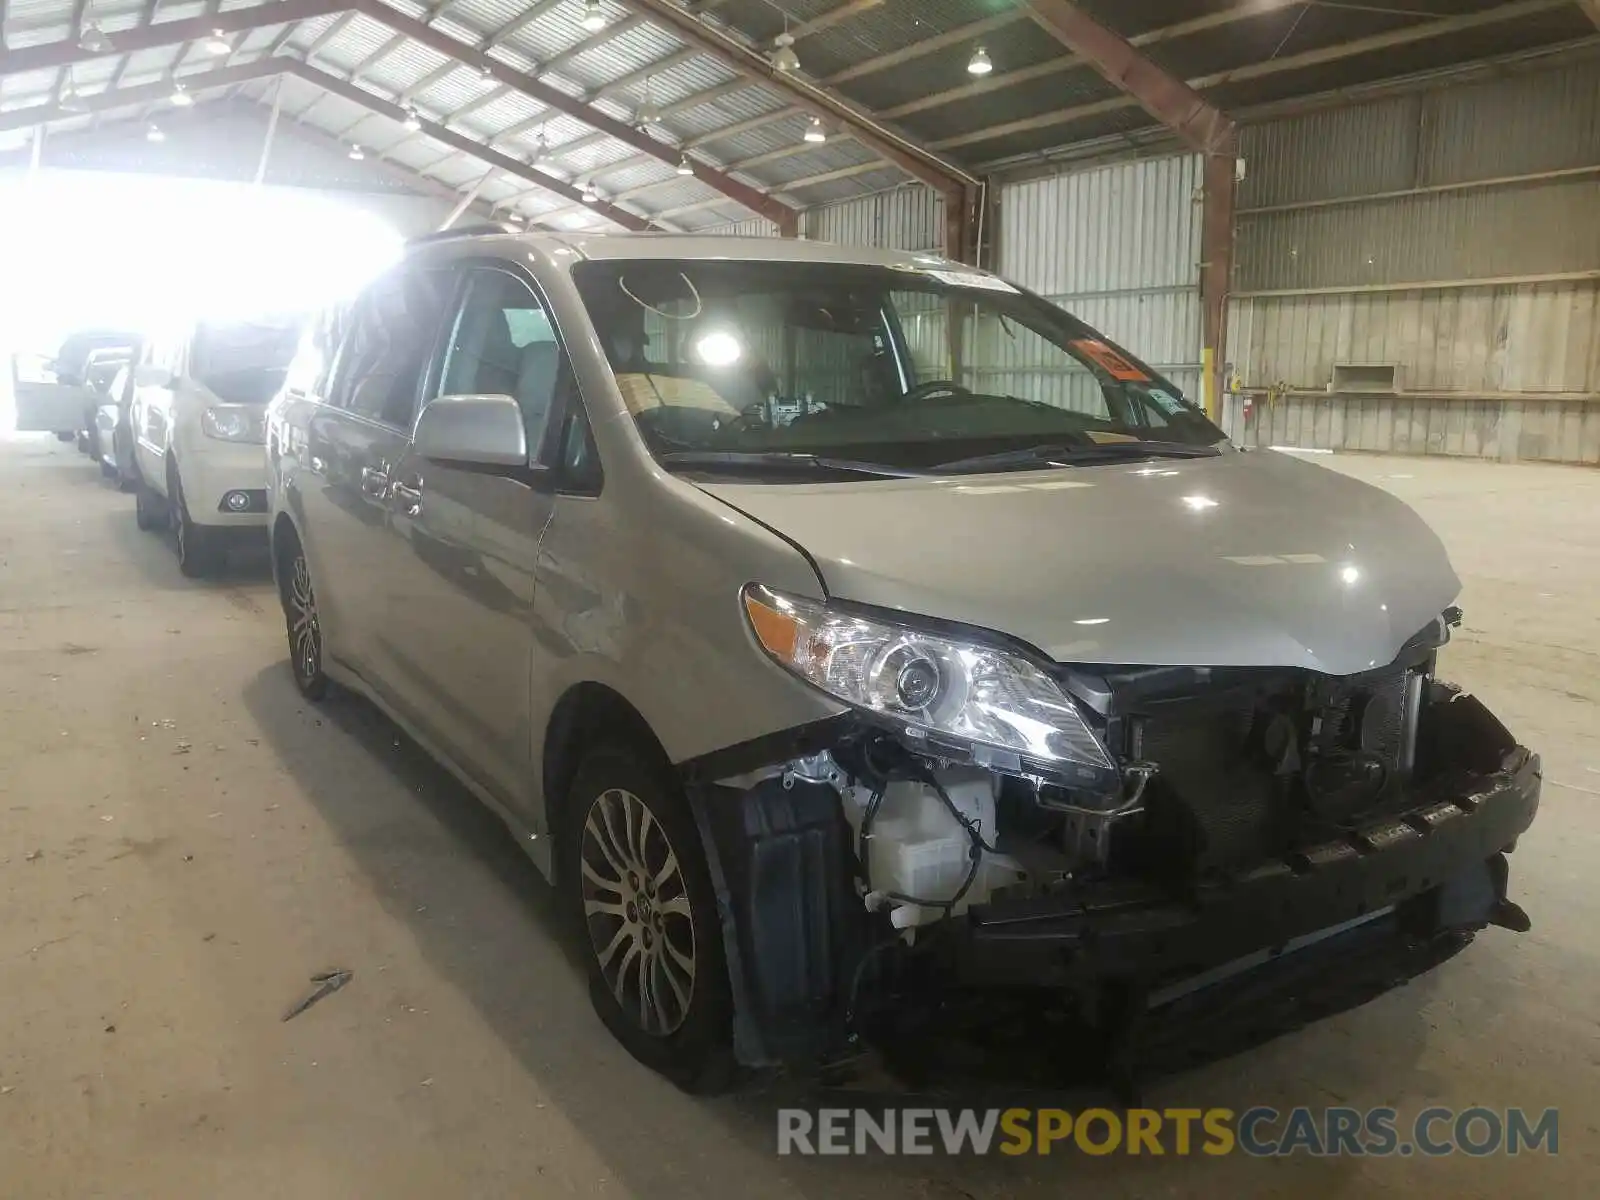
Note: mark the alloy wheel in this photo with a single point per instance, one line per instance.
(636, 908)
(305, 630)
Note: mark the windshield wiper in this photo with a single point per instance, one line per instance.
(782, 460)
(1069, 455)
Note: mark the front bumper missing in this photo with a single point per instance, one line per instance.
(1439, 865)
(800, 946)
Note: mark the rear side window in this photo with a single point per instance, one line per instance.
(391, 334)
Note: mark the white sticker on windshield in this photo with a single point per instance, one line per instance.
(972, 279)
(1166, 402)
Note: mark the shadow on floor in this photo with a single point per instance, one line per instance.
(486, 921)
(152, 554)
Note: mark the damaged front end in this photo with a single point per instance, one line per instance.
(982, 819)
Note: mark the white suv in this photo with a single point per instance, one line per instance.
(198, 424)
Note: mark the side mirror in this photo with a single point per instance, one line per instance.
(472, 431)
(150, 375)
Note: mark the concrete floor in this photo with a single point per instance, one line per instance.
(183, 842)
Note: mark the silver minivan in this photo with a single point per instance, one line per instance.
(842, 629)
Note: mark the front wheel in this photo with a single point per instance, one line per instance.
(636, 878)
(149, 510)
(304, 623)
(200, 552)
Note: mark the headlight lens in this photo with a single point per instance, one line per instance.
(233, 424)
(989, 698)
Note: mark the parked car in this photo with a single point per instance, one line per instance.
(114, 422)
(834, 626)
(55, 395)
(198, 419)
(100, 376)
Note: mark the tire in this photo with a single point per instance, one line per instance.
(200, 552)
(65, 436)
(149, 510)
(82, 440)
(108, 469)
(302, 621)
(636, 885)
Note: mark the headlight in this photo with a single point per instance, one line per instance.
(997, 703)
(233, 424)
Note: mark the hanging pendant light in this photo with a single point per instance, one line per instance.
(356, 152)
(783, 56)
(94, 39)
(590, 196)
(153, 133)
(685, 167)
(217, 43)
(649, 112)
(593, 19)
(180, 97)
(979, 63)
(70, 101)
(815, 133)
(412, 123)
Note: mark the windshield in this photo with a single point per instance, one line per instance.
(244, 362)
(725, 362)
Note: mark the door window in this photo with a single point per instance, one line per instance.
(502, 344)
(391, 334)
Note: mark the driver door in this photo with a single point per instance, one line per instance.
(458, 626)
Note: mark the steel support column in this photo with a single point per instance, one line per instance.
(1219, 189)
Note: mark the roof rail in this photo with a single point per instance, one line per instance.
(481, 229)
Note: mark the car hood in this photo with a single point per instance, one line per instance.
(1246, 559)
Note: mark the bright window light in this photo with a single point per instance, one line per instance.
(172, 250)
(719, 348)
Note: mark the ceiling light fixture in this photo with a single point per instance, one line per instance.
(412, 123)
(356, 152)
(486, 70)
(979, 63)
(153, 133)
(180, 96)
(783, 56)
(685, 167)
(590, 196)
(815, 133)
(70, 101)
(593, 19)
(94, 39)
(649, 112)
(541, 150)
(217, 43)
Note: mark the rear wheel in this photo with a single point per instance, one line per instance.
(636, 878)
(303, 621)
(199, 549)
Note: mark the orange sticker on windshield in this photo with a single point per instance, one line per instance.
(1109, 360)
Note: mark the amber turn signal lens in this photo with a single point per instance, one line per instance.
(776, 630)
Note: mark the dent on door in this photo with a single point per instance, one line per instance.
(458, 632)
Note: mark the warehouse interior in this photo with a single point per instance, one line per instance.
(1364, 232)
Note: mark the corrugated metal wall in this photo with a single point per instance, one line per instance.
(908, 218)
(1119, 246)
(1454, 233)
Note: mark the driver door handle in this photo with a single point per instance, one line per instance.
(409, 498)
